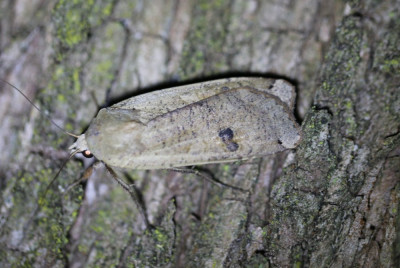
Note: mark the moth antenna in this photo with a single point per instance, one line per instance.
(37, 108)
(58, 172)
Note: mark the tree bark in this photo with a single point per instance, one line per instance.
(332, 202)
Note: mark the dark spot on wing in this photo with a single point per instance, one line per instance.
(232, 146)
(226, 136)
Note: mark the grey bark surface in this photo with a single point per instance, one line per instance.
(332, 202)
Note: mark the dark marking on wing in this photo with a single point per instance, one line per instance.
(232, 146)
(226, 136)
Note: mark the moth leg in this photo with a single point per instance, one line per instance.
(86, 175)
(132, 185)
(207, 177)
(95, 99)
(133, 194)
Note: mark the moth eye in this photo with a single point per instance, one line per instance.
(87, 154)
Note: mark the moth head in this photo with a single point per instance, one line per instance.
(80, 146)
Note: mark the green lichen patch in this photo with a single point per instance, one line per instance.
(341, 64)
(202, 55)
(157, 246)
(75, 19)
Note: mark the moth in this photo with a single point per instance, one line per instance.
(216, 121)
(211, 122)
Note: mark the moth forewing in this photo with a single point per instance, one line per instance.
(211, 122)
(163, 101)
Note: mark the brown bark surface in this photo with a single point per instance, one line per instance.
(332, 202)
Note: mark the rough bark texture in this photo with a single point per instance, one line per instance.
(333, 202)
